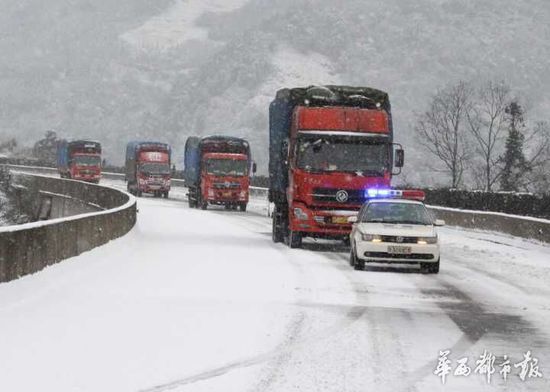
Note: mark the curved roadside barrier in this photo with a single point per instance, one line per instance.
(519, 226)
(28, 248)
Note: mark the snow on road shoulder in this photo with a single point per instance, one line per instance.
(504, 273)
(168, 301)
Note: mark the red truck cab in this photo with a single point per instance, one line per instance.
(323, 159)
(217, 171)
(148, 168)
(85, 167)
(225, 179)
(79, 160)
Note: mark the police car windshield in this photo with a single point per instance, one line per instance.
(405, 213)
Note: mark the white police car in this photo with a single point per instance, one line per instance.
(395, 226)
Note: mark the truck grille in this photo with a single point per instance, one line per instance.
(157, 180)
(226, 185)
(335, 195)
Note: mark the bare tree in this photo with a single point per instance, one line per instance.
(441, 130)
(487, 123)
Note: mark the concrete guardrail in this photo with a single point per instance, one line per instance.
(28, 248)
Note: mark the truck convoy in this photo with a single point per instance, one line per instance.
(217, 171)
(328, 146)
(79, 160)
(148, 168)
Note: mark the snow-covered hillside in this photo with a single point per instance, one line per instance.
(170, 69)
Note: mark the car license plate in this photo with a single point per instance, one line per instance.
(340, 220)
(399, 250)
(226, 194)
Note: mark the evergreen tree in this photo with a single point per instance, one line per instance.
(515, 164)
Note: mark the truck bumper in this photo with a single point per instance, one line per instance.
(153, 188)
(320, 223)
(88, 178)
(227, 197)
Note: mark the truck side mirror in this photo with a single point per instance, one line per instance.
(254, 167)
(399, 157)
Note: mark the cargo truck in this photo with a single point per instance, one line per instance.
(328, 145)
(148, 168)
(217, 171)
(79, 160)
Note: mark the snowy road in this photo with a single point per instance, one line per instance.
(196, 300)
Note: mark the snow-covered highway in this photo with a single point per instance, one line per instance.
(196, 300)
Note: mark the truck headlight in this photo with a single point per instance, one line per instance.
(371, 237)
(300, 214)
(426, 240)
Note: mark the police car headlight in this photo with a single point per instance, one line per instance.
(371, 237)
(427, 240)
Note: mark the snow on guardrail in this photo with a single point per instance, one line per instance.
(29, 247)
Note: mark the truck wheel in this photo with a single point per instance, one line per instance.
(226, 206)
(192, 203)
(277, 232)
(204, 205)
(138, 193)
(294, 239)
(165, 194)
(243, 207)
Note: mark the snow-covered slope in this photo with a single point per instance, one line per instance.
(169, 69)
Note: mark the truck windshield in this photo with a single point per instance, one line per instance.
(405, 213)
(155, 168)
(342, 153)
(87, 160)
(226, 167)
